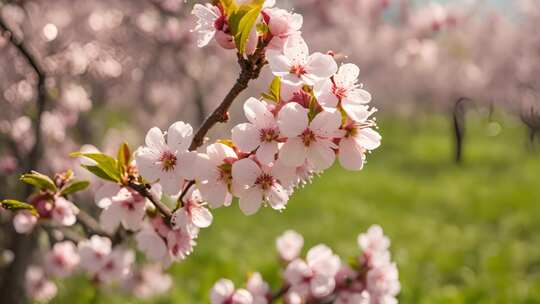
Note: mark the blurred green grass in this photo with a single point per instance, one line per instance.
(460, 234)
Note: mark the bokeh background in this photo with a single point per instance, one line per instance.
(455, 183)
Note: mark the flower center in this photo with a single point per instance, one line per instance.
(265, 181)
(301, 97)
(225, 172)
(298, 70)
(339, 92)
(220, 23)
(268, 135)
(307, 137)
(168, 161)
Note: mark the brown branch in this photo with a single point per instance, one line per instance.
(34, 63)
(250, 69)
(143, 190)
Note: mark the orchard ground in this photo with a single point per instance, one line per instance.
(460, 234)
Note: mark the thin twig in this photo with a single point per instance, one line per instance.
(250, 69)
(276, 296)
(24, 50)
(90, 224)
(142, 190)
(180, 202)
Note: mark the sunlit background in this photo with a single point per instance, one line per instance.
(454, 184)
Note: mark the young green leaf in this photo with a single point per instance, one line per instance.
(123, 156)
(15, 205)
(41, 181)
(107, 165)
(274, 90)
(75, 186)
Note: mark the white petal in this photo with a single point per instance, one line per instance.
(292, 119)
(279, 64)
(110, 218)
(216, 194)
(186, 164)
(351, 155)
(245, 172)
(277, 197)
(218, 152)
(296, 50)
(104, 194)
(149, 242)
(155, 139)
(296, 271)
(326, 123)
(147, 161)
(347, 75)
(266, 152)
(322, 285)
(179, 136)
(288, 90)
(257, 113)
(325, 95)
(368, 138)
(246, 137)
(250, 201)
(293, 152)
(221, 291)
(321, 154)
(201, 217)
(320, 66)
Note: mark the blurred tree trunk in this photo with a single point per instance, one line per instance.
(458, 117)
(531, 119)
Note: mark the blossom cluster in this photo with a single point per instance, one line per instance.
(102, 262)
(371, 277)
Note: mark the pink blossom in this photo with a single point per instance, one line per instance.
(24, 221)
(383, 283)
(153, 244)
(311, 141)
(256, 184)
(117, 266)
(315, 276)
(208, 16)
(215, 174)
(289, 245)
(94, 252)
(127, 207)
(374, 241)
(350, 297)
(261, 133)
(168, 161)
(147, 282)
(64, 212)
(296, 66)
(357, 141)
(258, 288)
(223, 292)
(62, 260)
(38, 287)
(192, 214)
(180, 243)
(282, 24)
(342, 89)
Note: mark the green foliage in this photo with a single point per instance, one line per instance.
(460, 234)
(106, 166)
(242, 18)
(40, 181)
(15, 205)
(74, 186)
(274, 90)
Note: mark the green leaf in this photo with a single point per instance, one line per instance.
(15, 205)
(108, 166)
(274, 90)
(229, 6)
(123, 157)
(99, 173)
(41, 181)
(75, 186)
(242, 20)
